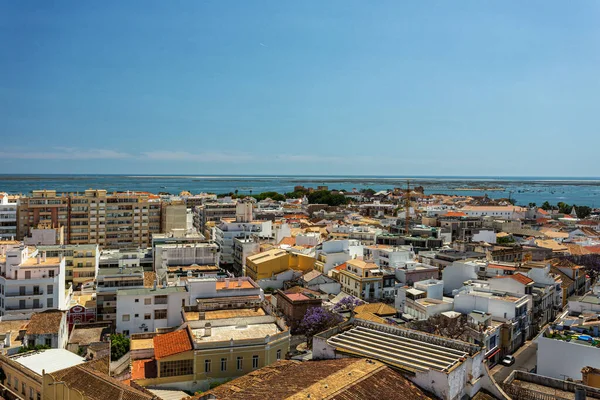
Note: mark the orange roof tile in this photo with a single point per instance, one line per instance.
(525, 280)
(340, 267)
(171, 343)
(296, 297)
(542, 211)
(503, 267)
(455, 214)
(288, 240)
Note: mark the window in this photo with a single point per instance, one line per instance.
(39, 396)
(125, 317)
(148, 301)
(137, 300)
(137, 315)
(240, 363)
(161, 300)
(51, 273)
(50, 289)
(223, 364)
(23, 387)
(50, 303)
(176, 368)
(16, 386)
(206, 365)
(278, 354)
(147, 316)
(48, 342)
(160, 314)
(126, 332)
(254, 362)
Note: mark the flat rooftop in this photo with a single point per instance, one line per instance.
(49, 360)
(408, 353)
(233, 284)
(142, 344)
(33, 262)
(151, 291)
(223, 314)
(225, 333)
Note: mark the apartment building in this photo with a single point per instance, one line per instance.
(118, 220)
(173, 215)
(127, 258)
(364, 280)
(513, 310)
(110, 280)
(8, 218)
(269, 263)
(213, 211)
(183, 249)
(242, 248)
(229, 229)
(30, 281)
(149, 309)
(43, 207)
(335, 252)
(212, 347)
(81, 261)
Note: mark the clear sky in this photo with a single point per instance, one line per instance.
(300, 87)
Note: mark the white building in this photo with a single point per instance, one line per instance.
(8, 218)
(506, 212)
(389, 256)
(227, 230)
(244, 289)
(484, 235)
(149, 309)
(31, 282)
(336, 252)
(308, 239)
(242, 248)
(457, 273)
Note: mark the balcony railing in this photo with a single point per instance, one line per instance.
(25, 294)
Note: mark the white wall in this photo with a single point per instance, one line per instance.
(557, 358)
(455, 274)
(484, 236)
(126, 305)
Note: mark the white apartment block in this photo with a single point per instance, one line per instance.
(335, 252)
(505, 212)
(226, 231)
(31, 282)
(149, 309)
(8, 218)
(242, 248)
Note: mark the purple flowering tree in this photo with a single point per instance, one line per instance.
(348, 303)
(317, 319)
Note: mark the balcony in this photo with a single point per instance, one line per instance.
(25, 294)
(16, 308)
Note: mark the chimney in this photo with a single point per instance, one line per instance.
(207, 329)
(39, 258)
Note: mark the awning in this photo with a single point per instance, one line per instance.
(493, 354)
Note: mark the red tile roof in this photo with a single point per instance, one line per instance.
(503, 267)
(288, 240)
(340, 267)
(455, 214)
(171, 343)
(525, 280)
(143, 369)
(296, 297)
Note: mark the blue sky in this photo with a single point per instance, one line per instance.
(304, 87)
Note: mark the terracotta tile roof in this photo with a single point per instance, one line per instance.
(502, 267)
(379, 309)
(47, 322)
(577, 250)
(296, 297)
(542, 211)
(340, 267)
(94, 385)
(288, 240)
(143, 369)
(171, 343)
(593, 249)
(525, 280)
(341, 379)
(368, 316)
(566, 279)
(455, 214)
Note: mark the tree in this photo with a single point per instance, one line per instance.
(532, 205)
(546, 206)
(563, 208)
(583, 211)
(236, 192)
(348, 303)
(317, 319)
(119, 346)
(24, 349)
(453, 328)
(325, 197)
(505, 240)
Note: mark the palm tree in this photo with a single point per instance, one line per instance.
(236, 192)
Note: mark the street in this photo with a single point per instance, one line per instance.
(525, 360)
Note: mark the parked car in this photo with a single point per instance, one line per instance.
(507, 360)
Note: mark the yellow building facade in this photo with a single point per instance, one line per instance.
(266, 264)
